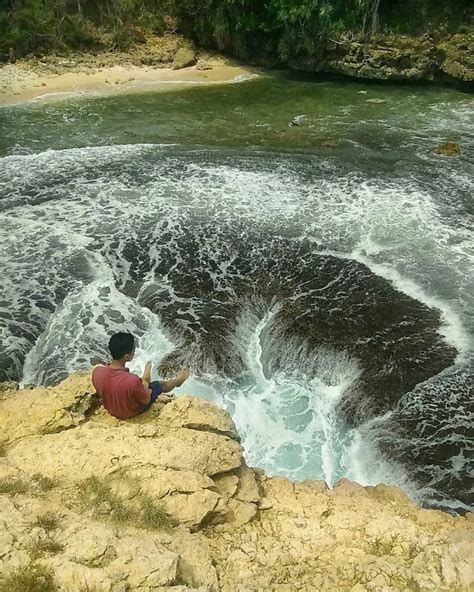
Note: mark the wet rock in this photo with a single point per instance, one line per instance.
(184, 58)
(297, 120)
(448, 149)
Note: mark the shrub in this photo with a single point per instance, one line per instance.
(48, 521)
(30, 578)
(44, 483)
(13, 486)
(37, 547)
(154, 515)
(145, 513)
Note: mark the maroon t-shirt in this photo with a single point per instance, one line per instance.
(123, 394)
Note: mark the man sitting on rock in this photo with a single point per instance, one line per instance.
(124, 394)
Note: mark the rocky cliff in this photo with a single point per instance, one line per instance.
(166, 502)
(396, 57)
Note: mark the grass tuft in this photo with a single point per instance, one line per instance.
(100, 492)
(37, 548)
(98, 488)
(381, 547)
(85, 587)
(48, 521)
(30, 578)
(154, 515)
(44, 483)
(120, 512)
(414, 550)
(413, 585)
(148, 514)
(406, 584)
(13, 486)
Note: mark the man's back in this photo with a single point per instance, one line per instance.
(123, 394)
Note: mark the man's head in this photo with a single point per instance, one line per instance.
(122, 346)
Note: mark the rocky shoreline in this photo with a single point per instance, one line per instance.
(165, 502)
(173, 59)
(397, 58)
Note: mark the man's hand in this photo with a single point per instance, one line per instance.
(146, 378)
(147, 371)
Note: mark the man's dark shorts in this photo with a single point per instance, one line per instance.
(156, 390)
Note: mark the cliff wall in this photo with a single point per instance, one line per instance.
(165, 502)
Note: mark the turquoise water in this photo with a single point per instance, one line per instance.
(301, 248)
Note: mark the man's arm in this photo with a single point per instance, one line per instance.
(146, 378)
(169, 385)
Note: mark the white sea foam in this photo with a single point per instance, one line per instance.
(113, 196)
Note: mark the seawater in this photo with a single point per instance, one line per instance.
(317, 278)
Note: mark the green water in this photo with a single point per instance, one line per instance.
(255, 114)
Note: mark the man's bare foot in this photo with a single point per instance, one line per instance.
(182, 376)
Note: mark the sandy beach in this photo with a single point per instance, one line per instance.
(26, 81)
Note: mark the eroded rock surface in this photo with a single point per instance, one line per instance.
(165, 502)
(396, 57)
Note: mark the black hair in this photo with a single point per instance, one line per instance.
(121, 344)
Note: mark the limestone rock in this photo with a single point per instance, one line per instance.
(185, 459)
(96, 450)
(457, 57)
(349, 488)
(41, 410)
(240, 512)
(247, 487)
(184, 58)
(395, 57)
(7, 388)
(192, 509)
(203, 66)
(199, 414)
(319, 486)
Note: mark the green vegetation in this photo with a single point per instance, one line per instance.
(13, 486)
(40, 26)
(44, 483)
(31, 578)
(381, 547)
(85, 588)
(283, 29)
(37, 547)
(154, 516)
(144, 514)
(99, 492)
(275, 29)
(407, 583)
(48, 521)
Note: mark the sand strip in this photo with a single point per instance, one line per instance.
(21, 83)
